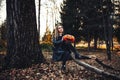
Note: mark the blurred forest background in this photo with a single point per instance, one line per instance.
(94, 23)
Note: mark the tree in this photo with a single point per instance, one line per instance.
(0, 2)
(23, 47)
(39, 17)
(80, 16)
(85, 19)
(116, 18)
(3, 31)
(107, 9)
(69, 18)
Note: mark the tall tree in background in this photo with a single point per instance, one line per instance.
(39, 1)
(70, 18)
(0, 2)
(86, 18)
(22, 36)
(107, 9)
(82, 17)
(3, 31)
(117, 19)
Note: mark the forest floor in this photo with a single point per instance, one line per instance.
(52, 70)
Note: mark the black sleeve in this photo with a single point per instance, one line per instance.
(57, 41)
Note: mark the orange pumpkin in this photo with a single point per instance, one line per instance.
(69, 38)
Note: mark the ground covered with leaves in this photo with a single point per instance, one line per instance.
(52, 70)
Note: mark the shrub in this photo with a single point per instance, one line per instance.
(46, 46)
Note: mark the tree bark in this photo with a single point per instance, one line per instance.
(22, 37)
(95, 40)
(107, 39)
(39, 17)
(89, 41)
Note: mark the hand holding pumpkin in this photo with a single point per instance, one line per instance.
(68, 38)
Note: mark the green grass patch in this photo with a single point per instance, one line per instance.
(47, 47)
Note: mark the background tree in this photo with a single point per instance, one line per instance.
(3, 36)
(39, 1)
(117, 34)
(3, 31)
(107, 9)
(116, 19)
(22, 36)
(70, 18)
(0, 2)
(86, 18)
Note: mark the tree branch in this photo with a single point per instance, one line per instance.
(96, 70)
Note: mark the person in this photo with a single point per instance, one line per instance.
(64, 47)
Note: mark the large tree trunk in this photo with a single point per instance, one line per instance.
(22, 38)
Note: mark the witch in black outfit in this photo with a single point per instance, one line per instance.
(62, 49)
